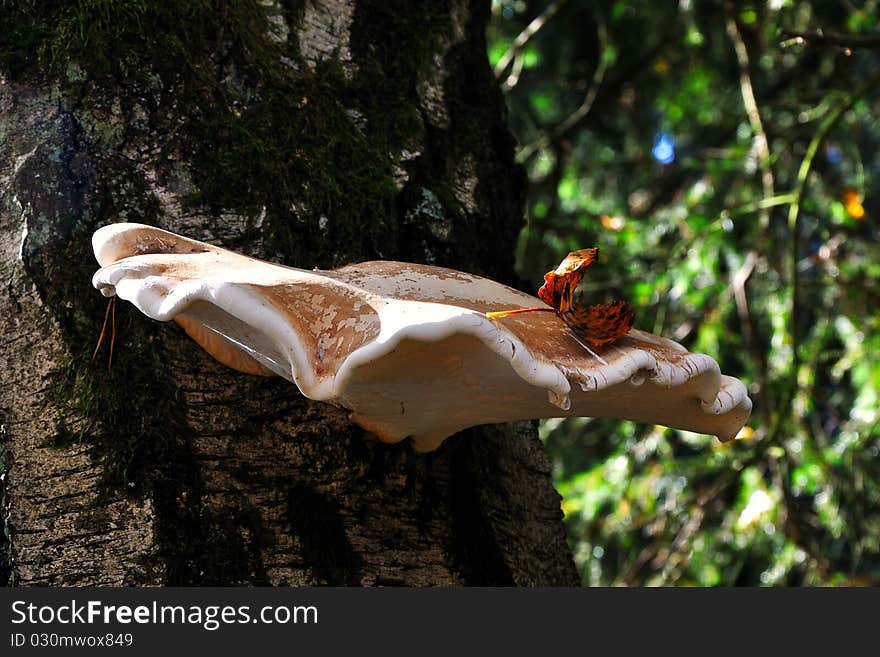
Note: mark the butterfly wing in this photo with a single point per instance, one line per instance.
(597, 325)
(600, 324)
(559, 284)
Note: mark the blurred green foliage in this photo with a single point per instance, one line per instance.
(724, 156)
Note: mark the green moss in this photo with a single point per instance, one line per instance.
(126, 415)
(260, 131)
(124, 411)
(127, 40)
(299, 152)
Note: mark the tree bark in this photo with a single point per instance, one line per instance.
(314, 135)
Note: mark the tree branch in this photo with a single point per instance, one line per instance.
(831, 39)
(526, 35)
(583, 109)
(740, 294)
(751, 105)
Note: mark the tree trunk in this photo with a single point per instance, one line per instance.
(314, 135)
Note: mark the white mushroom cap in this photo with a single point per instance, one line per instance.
(407, 347)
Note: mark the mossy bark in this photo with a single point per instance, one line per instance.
(314, 135)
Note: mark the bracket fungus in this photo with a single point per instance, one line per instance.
(408, 348)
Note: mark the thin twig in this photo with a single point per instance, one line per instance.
(761, 204)
(751, 106)
(513, 79)
(832, 39)
(526, 35)
(740, 294)
(583, 109)
(681, 546)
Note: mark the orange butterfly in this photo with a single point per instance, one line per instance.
(597, 325)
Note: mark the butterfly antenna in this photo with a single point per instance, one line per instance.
(498, 314)
(585, 346)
